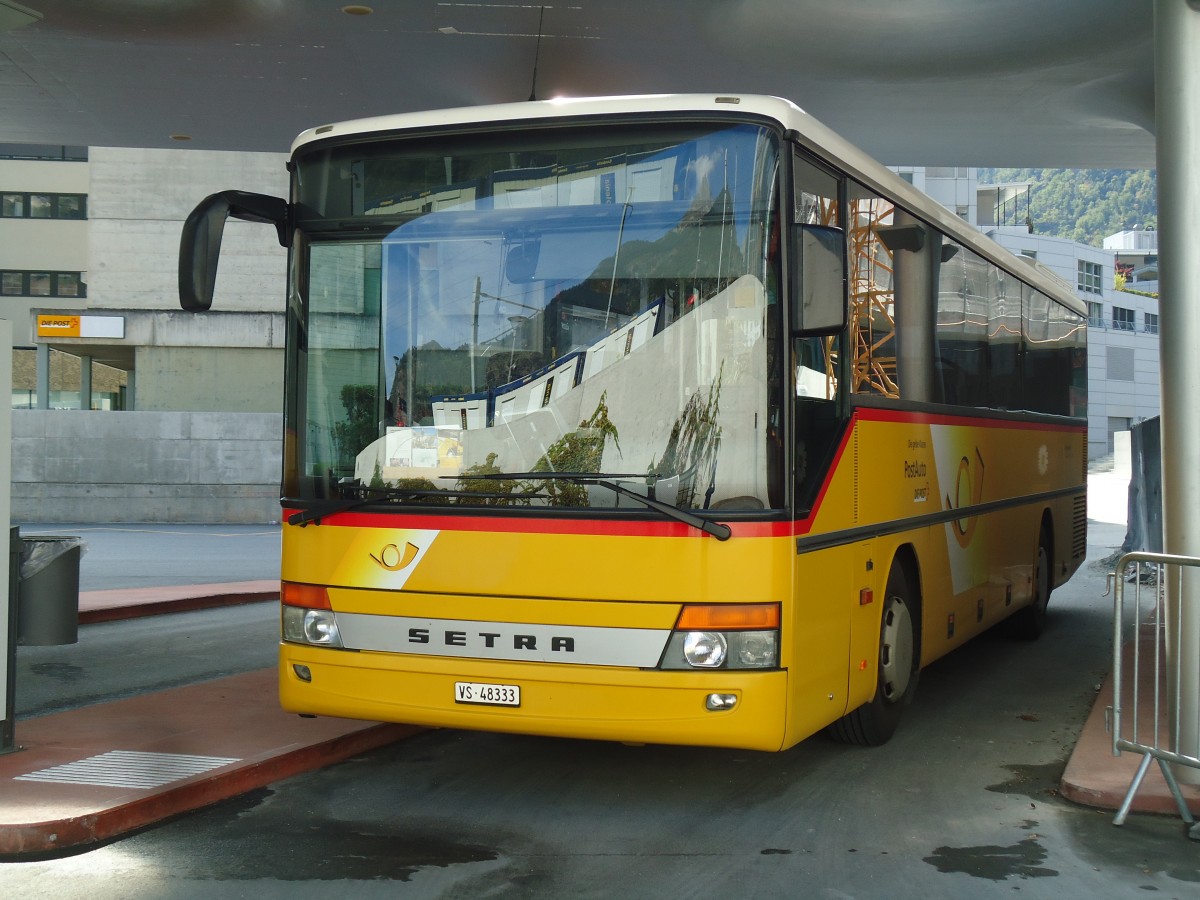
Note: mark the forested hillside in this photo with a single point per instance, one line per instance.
(1086, 205)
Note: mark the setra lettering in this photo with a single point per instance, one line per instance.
(491, 640)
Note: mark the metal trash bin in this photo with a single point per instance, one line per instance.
(48, 605)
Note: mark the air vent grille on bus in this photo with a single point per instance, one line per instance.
(1079, 530)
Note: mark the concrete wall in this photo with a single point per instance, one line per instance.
(138, 201)
(205, 379)
(89, 467)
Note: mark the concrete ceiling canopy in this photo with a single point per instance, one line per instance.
(931, 82)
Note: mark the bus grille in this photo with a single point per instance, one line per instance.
(1079, 531)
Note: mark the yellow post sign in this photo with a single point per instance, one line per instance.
(58, 326)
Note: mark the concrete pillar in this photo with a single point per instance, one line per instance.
(85, 383)
(1177, 114)
(43, 376)
(8, 603)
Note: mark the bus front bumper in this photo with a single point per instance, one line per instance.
(573, 701)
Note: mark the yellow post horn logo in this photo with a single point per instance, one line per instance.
(394, 559)
(968, 489)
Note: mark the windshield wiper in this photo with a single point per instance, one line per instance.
(718, 530)
(316, 514)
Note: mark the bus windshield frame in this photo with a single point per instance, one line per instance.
(520, 319)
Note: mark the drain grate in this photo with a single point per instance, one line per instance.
(129, 769)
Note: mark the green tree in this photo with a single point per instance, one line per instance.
(1085, 205)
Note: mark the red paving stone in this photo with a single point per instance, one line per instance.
(237, 718)
(129, 603)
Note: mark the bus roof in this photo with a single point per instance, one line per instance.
(808, 131)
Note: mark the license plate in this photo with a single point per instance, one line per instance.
(487, 694)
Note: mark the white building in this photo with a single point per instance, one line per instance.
(1137, 257)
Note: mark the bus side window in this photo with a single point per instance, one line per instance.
(814, 360)
(873, 351)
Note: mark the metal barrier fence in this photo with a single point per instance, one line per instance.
(1141, 724)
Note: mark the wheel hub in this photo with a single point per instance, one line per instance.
(896, 650)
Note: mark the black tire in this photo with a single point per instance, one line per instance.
(873, 723)
(1028, 623)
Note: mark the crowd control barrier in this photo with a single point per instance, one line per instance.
(1147, 680)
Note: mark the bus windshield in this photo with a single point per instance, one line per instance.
(472, 313)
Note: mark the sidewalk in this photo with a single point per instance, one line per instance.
(95, 773)
(130, 603)
(92, 774)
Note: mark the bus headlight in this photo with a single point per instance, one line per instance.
(705, 649)
(726, 636)
(311, 626)
(757, 649)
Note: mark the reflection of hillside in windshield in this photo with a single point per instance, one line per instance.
(583, 273)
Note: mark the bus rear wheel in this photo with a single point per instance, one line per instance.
(875, 722)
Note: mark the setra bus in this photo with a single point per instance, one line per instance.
(666, 419)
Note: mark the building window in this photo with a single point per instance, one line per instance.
(1095, 314)
(43, 151)
(22, 205)
(1089, 277)
(1123, 319)
(1151, 323)
(42, 284)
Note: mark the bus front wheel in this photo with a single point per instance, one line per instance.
(875, 722)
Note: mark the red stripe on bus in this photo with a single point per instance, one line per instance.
(514, 525)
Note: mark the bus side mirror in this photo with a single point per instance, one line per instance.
(200, 242)
(818, 280)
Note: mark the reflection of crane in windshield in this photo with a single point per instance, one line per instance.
(514, 321)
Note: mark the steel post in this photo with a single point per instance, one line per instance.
(1177, 115)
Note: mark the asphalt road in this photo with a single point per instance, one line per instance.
(961, 804)
(130, 556)
(114, 660)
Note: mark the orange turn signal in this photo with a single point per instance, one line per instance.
(729, 617)
(310, 596)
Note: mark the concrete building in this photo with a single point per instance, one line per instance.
(43, 257)
(92, 294)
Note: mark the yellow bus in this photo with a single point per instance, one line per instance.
(668, 419)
